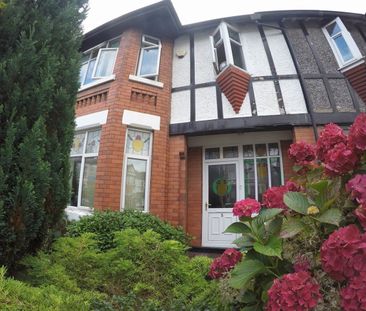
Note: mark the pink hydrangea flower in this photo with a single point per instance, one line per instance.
(223, 264)
(353, 296)
(330, 136)
(340, 160)
(302, 153)
(273, 197)
(246, 207)
(343, 254)
(357, 133)
(294, 291)
(292, 186)
(360, 212)
(357, 187)
(301, 264)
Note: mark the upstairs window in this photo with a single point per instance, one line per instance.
(341, 42)
(227, 47)
(148, 66)
(98, 62)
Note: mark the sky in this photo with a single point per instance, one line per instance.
(191, 11)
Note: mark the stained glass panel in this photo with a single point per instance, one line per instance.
(90, 173)
(135, 184)
(78, 144)
(262, 177)
(212, 153)
(92, 144)
(138, 142)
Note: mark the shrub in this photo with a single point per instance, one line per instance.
(105, 224)
(142, 272)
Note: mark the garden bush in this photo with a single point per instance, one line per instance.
(141, 272)
(304, 247)
(105, 224)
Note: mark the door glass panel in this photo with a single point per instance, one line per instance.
(275, 172)
(273, 149)
(135, 184)
(262, 177)
(222, 185)
(249, 178)
(75, 165)
(230, 152)
(261, 150)
(90, 174)
(212, 153)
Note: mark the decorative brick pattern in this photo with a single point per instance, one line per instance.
(92, 99)
(357, 78)
(142, 96)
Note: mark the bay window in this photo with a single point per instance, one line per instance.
(226, 47)
(149, 60)
(98, 62)
(83, 164)
(136, 179)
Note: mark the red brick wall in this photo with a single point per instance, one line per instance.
(194, 186)
(110, 161)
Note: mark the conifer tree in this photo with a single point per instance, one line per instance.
(39, 65)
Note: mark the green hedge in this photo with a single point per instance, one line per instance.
(105, 224)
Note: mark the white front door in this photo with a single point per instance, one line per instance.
(221, 190)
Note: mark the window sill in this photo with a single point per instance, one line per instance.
(97, 82)
(75, 213)
(146, 81)
(352, 64)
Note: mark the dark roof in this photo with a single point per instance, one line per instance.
(161, 20)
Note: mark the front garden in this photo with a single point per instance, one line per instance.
(302, 248)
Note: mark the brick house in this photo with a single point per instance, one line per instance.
(182, 121)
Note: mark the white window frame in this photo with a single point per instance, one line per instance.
(347, 38)
(104, 46)
(225, 38)
(240, 158)
(83, 156)
(148, 169)
(144, 40)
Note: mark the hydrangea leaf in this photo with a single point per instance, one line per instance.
(297, 202)
(291, 227)
(272, 248)
(237, 227)
(245, 271)
(331, 216)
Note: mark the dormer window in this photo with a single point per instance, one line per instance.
(98, 62)
(148, 66)
(341, 42)
(227, 49)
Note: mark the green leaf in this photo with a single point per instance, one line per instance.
(268, 213)
(272, 248)
(245, 271)
(331, 216)
(320, 186)
(297, 202)
(249, 297)
(237, 227)
(274, 226)
(244, 241)
(291, 227)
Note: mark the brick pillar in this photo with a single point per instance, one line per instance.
(194, 202)
(304, 133)
(176, 210)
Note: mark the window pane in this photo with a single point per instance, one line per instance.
(273, 149)
(221, 56)
(262, 177)
(249, 178)
(343, 48)
(75, 165)
(275, 171)
(151, 41)
(90, 173)
(217, 37)
(78, 144)
(83, 69)
(333, 29)
(135, 184)
(149, 61)
(237, 54)
(260, 150)
(248, 151)
(114, 43)
(89, 72)
(106, 63)
(92, 144)
(212, 153)
(138, 142)
(233, 35)
(222, 185)
(230, 152)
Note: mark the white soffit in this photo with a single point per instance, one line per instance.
(92, 119)
(142, 120)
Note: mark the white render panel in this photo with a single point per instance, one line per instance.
(206, 104)
(292, 96)
(181, 107)
(181, 66)
(265, 98)
(254, 54)
(143, 120)
(203, 61)
(279, 50)
(228, 111)
(92, 119)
